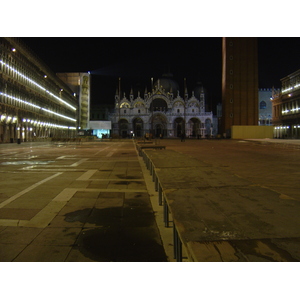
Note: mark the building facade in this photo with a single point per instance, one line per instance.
(80, 84)
(34, 102)
(286, 107)
(162, 113)
(239, 83)
(265, 106)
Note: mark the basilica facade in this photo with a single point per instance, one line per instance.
(163, 112)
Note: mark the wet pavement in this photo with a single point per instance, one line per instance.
(65, 202)
(96, 201)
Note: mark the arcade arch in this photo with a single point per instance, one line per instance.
(158, 104)
(123, 128)
(138, 127)
(178, 126)
(194, 127)
(159, 124)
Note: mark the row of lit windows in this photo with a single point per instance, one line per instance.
(286, 108)
(10, 89)
(21, 75)
(31, 122)
(291, 107)
(287, 127)
(291, 88)
(294, 110)
(36, 106)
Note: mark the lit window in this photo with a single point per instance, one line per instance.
(263, 105)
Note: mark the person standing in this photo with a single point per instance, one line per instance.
(182, 136)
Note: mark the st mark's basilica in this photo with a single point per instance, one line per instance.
(163, 112)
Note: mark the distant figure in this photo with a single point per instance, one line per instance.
(183, 137)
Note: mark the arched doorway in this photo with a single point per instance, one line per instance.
(178, 126)
(138, 127)
(158, 130)
(194, 127)
(123, 128)
(159, 125)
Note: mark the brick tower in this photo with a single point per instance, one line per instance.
(239, 83)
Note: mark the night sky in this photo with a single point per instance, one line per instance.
(137, 59)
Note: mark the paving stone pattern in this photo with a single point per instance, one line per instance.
(76, 203)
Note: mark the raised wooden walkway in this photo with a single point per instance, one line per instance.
(217, 216)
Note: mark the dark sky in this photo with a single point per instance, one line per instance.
(138, 59)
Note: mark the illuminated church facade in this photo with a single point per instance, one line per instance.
(162, 112)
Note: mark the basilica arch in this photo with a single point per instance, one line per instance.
(194, 127)
(178, 106)
(159, 103)
(139, 107)
(138, 127)
(178, 126)
(123, 128)
(125, 104)
(159, 123)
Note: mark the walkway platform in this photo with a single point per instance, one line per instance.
(218, 216)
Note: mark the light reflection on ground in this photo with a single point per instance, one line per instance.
(27, 162)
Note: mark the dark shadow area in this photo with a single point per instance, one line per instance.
(116, 244)
(126, 233)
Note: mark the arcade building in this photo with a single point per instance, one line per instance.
(34, 102)
(286, 107)
(162, 112)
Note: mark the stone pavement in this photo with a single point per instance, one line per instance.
(96, 201)
(66, 202)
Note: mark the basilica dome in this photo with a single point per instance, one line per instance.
(168, 83)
